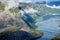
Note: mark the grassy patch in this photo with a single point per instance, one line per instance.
(12, 10)
(59, 26)
(56, 38)
(37, 32)
(2, 7)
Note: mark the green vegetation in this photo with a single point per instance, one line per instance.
(56, 38)
(12, 10)
(2, 7)
(59, 26)
(16, 10)
(37, 32)
(17, 25)
(33, 26)
(37, 18)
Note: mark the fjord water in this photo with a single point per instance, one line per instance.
(57, 3)
(49, 26)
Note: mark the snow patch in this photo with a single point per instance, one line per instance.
(54, 6)
(30, 10)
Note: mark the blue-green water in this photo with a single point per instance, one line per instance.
(49, 26)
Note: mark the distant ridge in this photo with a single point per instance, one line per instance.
(57, 3)
(51, 3)
(43, 2)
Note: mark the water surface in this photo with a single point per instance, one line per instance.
(49, 26)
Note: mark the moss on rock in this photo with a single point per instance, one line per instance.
(56, 38)
(2, 7)
(36, 32)
(12, 10)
